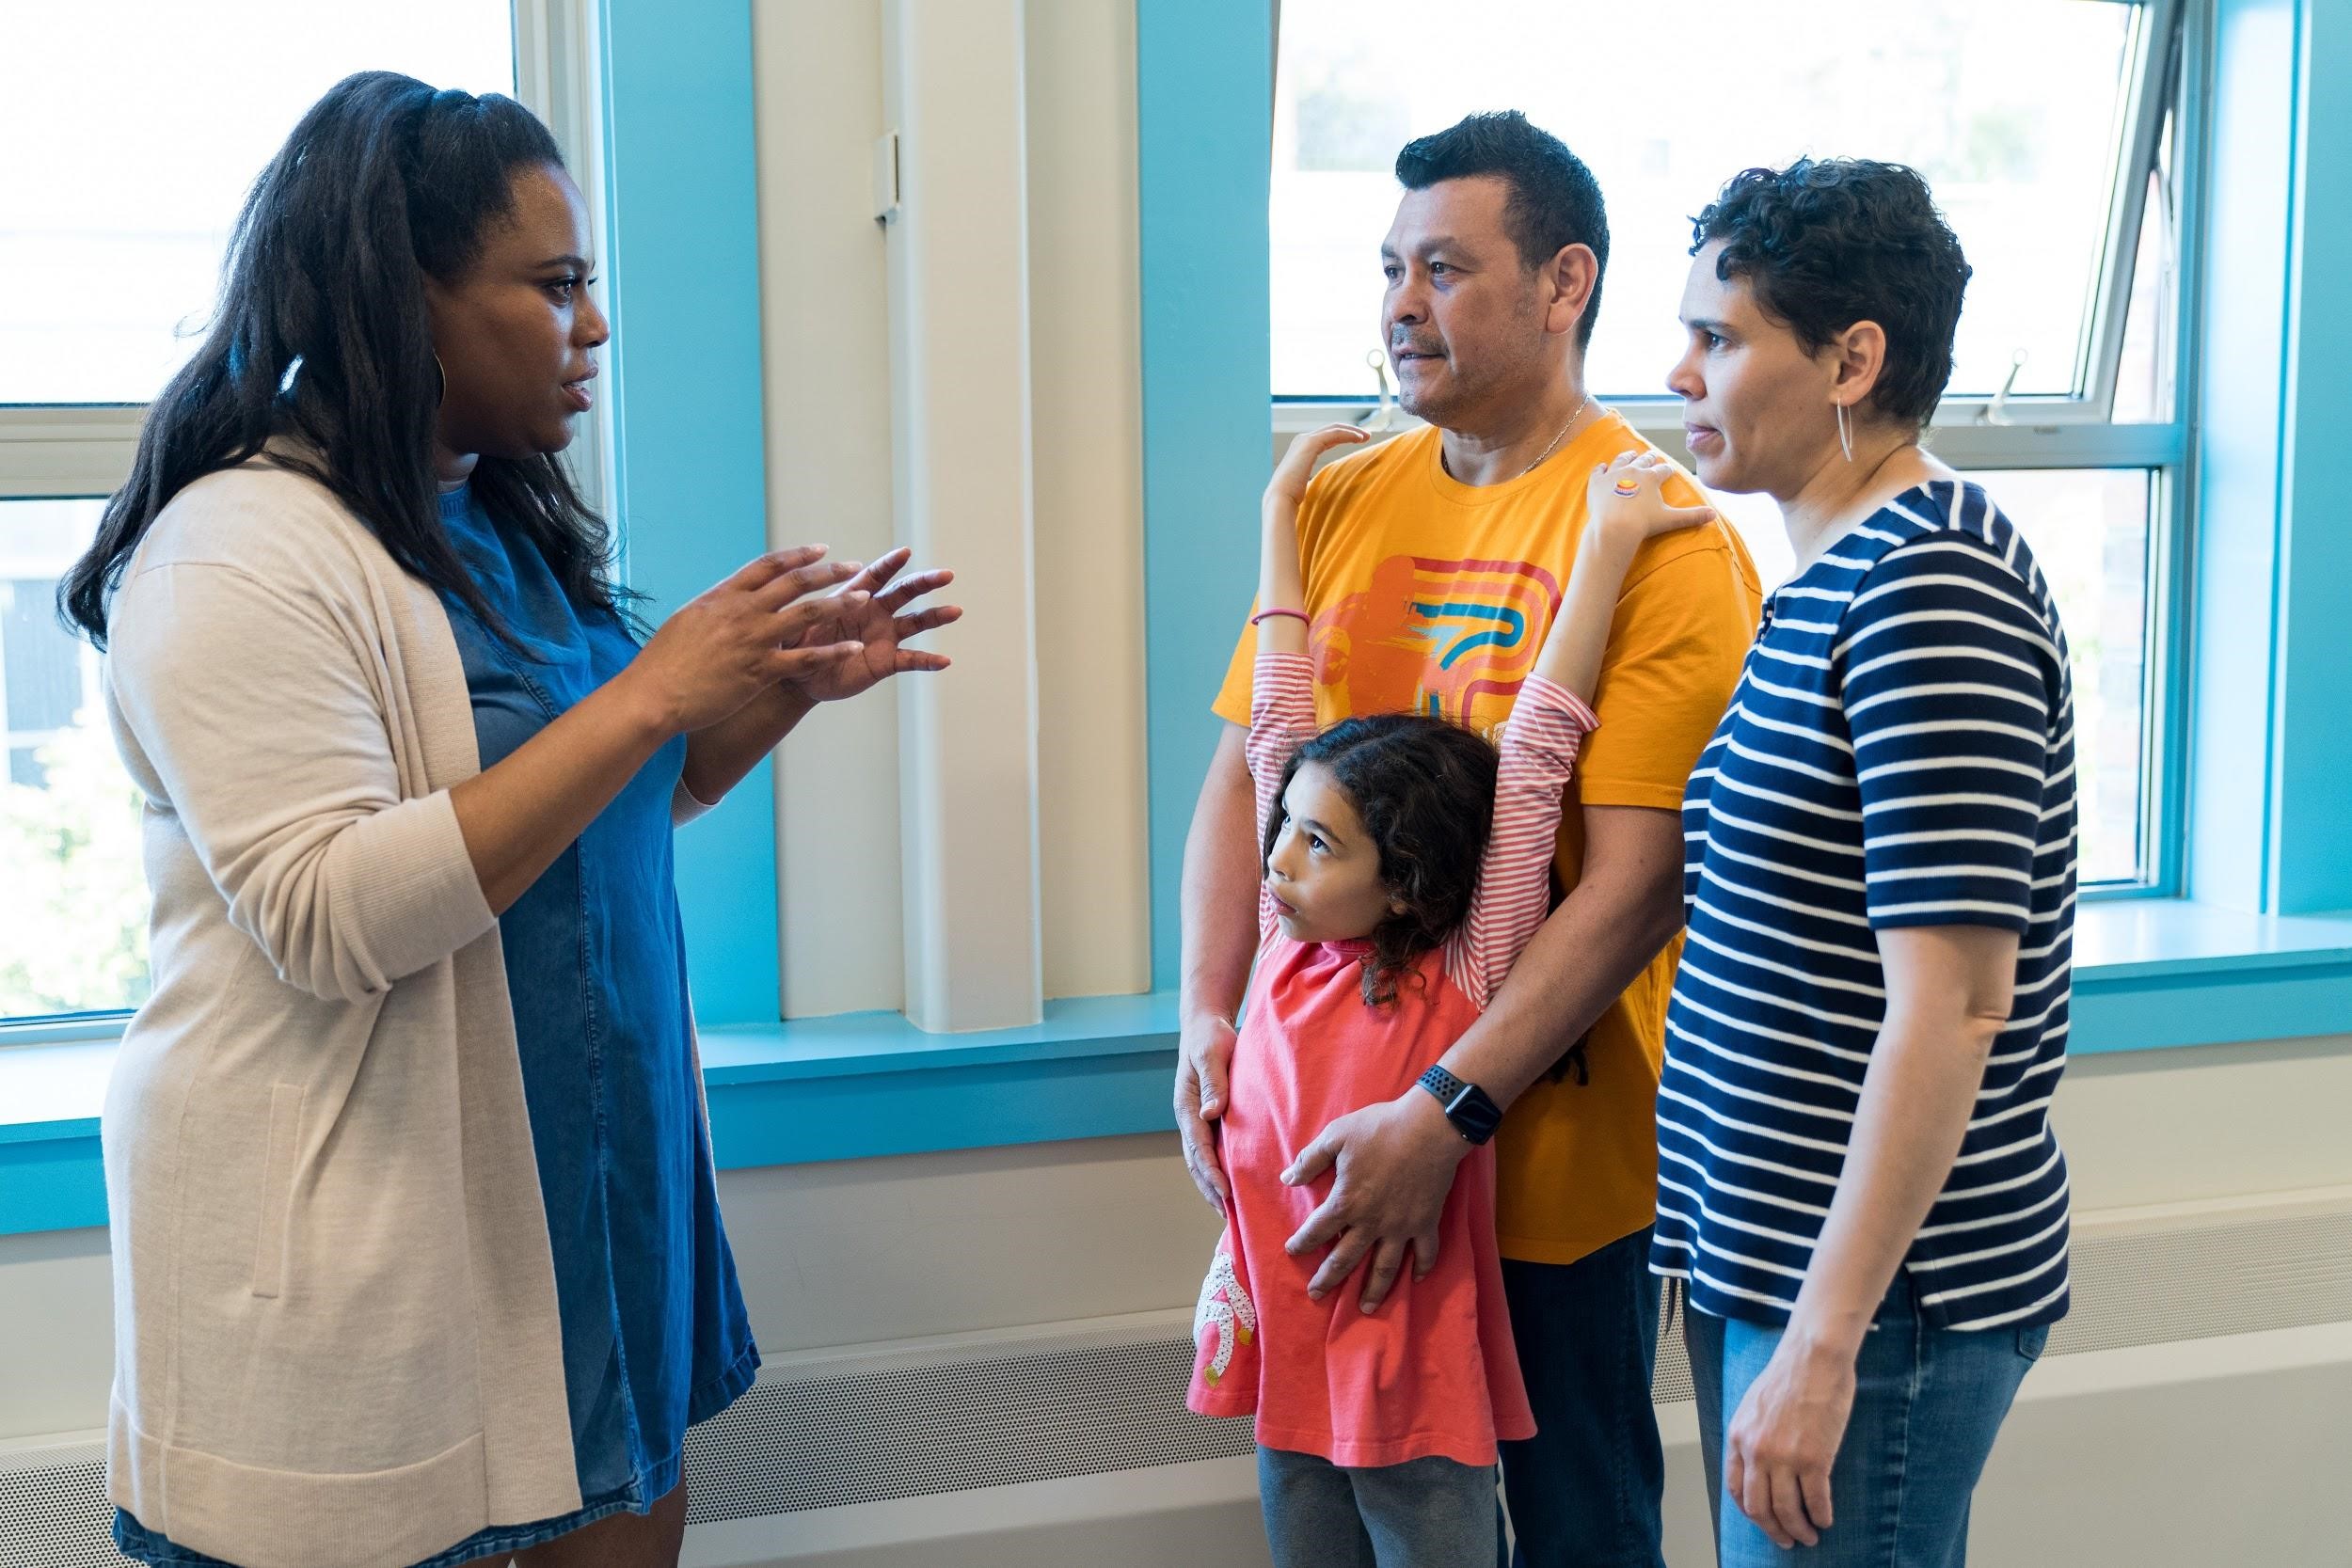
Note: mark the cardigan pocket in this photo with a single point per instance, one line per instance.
(269, 1243)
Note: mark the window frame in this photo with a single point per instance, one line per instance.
(84, 450)
(2242, 956)
(2165, 60)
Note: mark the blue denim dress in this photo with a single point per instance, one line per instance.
(655, 1334)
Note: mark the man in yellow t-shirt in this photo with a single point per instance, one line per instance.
(1433, 564)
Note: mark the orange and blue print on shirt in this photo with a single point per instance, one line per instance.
(1461, 635)
(1425, 595)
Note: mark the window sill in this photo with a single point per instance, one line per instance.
(2149, 974)
(860, 1085)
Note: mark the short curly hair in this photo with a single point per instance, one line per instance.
(1425, 790)
(1828, 242)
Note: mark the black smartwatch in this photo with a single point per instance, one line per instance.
(1473, 1114)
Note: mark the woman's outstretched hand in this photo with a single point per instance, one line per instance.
(730, 642)
(872, 617)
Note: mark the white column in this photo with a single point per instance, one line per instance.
(958, 246)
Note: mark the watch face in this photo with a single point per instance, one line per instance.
(1473, 1114)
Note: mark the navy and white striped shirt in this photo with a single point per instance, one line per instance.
(1899, 752)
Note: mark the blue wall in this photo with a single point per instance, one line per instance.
(2271, 738)
(1205, 98)
(2312, 827)
(683, 289)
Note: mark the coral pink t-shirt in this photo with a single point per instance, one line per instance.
(1434, 1370)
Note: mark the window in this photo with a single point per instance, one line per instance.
(110, 242)
(2049, 131)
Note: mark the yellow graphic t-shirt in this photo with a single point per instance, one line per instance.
(1434, 596)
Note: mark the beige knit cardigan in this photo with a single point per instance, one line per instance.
(336, 1330)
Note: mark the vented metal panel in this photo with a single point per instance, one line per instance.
(858, 1426)
(2158, 1285)
(54, 1514)
(790, 1445)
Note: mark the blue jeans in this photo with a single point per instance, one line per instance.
(1927, 1403)
(1583, 1491)
(1423, 1514)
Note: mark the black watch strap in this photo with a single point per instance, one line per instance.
(1467, 1106)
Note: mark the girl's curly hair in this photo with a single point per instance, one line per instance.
(1425, 790)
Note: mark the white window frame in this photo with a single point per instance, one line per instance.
(76, 451)
(2165, 56)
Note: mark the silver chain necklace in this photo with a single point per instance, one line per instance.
(1556, 439)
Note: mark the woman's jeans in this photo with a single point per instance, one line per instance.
(1927, 1403)
(1423, 1513)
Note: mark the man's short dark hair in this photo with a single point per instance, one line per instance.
(1554, 199)
(1824, 245)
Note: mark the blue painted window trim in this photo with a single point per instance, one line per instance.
(690, 454)
(2155, 976)
(2154, 973)
(1204, 149)
(2272, 698)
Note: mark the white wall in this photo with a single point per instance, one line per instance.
(887, 1249)
(1086, 367)
(825, 350)
(825, 334)
(869, 1250)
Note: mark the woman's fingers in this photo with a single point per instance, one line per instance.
(831, 617)
(905, 591)
(889, 564)
(763, 569)
(1812, 1489)
(916, 660)
(879, 570)
(1788, 1509)
(786, 587)
(1755, 1501)
(925, 620)
(793, 664)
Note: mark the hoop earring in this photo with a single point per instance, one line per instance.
(440, 384)
(1845, 437)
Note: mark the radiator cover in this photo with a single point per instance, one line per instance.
(865, 1424)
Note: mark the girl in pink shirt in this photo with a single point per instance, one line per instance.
(1406, 866)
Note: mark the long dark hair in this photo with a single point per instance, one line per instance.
(320, 337)
(1425, 790)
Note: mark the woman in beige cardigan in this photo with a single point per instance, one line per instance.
(416, 1256)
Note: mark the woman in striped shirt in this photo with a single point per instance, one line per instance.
(1858, 1186)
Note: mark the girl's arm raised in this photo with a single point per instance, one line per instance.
(1551, 716)
(1281, 688)
(1625, 508)
(1281, 617)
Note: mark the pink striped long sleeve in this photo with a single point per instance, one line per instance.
(1281, 720)
(1547, 727)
